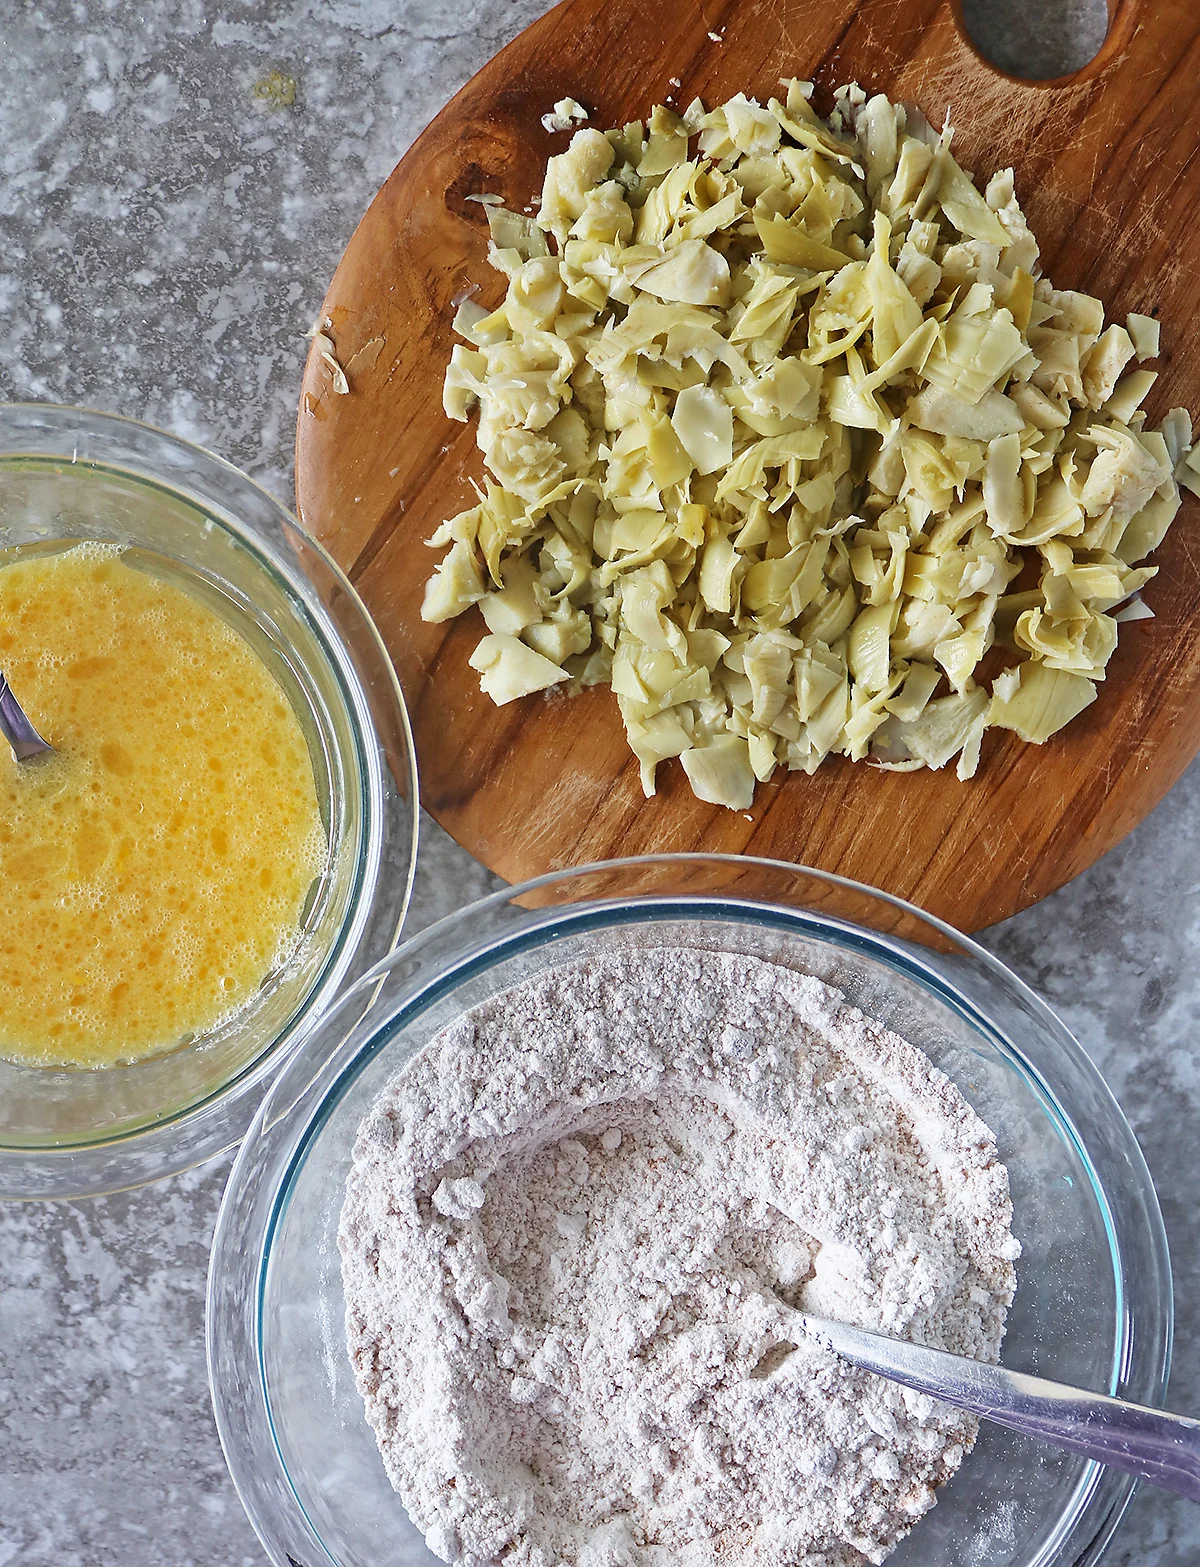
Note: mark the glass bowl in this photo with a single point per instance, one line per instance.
(183, 514)
(1093, 1304)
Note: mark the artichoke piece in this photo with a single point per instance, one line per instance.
(655, 680)
(830, 618)
(515, 231)
(1102, 368)
(1004, 497)
(535, 294)
(465, 377)
(1124, 473)
(645, 593)
(817, 674)
(869, 648)
(606, 216)
(1082, 315)
(767, 661)
(877, 127)
(921, 681)
(692, 273)
(1134, 610)
(632, 537)
(944, 414)
(763, 758)
(895, 314)
(769, 582)
(747, 472)
(766, 318)
(868, 713)
(502, 520)
(703, 421)
(945, 726)
(564, 634)
(1148, 528)
(1130, 393)
(1176, 431)
(1056, 514)
(1080, 645)
(788, 243)
(958, 655)
(455, 585)
(720, 772)
(1144, 335)
(705, 648)
(570, 178)
(565, 115)
(1037, 702)
(752, 129)
(974, 350)
(966, 208)
(854, 409)
(1018, 301)
(788, 389)
(508, 669)
(823, 731)
(657, 738)
(910, 354)
(508, 610)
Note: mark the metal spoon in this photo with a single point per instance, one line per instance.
(1161, 1448)
(17, 730)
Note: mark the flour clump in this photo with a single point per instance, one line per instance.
(575, 1227)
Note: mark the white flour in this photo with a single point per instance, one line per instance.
(571, 1235)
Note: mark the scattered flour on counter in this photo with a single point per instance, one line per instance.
(574, 1227)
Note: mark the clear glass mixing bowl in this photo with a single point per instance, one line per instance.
(1093, 1305)
(69, 474)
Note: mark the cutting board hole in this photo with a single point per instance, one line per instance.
(1038, 40)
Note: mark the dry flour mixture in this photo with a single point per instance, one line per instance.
(573, 1230)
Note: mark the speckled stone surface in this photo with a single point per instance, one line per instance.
(165, 240)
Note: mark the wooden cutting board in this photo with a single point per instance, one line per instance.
(1107, 174)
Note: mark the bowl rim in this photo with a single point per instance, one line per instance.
(181, 1139)
(294, 1110)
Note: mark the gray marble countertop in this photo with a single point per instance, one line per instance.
(165, 241)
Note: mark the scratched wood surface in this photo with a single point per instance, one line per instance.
(1106, 172)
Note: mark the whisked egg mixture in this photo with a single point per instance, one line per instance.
(156, 870)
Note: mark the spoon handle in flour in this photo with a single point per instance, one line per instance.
(1161, 1448)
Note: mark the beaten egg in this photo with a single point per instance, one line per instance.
(156, 870)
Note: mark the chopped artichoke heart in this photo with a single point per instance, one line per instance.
(511, 608)
(558, 638)
(657, 738)
(1144, 335)
(455, 585)
(720, 772)
(703, 421)
(1043, 701)
(692, 273)
(1130, 393)
(1108, 356)
(944, 726)
(974, 353)
(869, 652)
(943, 413)
(775, 414)
(921, 681)
(508, 669)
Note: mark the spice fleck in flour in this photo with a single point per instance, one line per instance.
(574, 1228)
